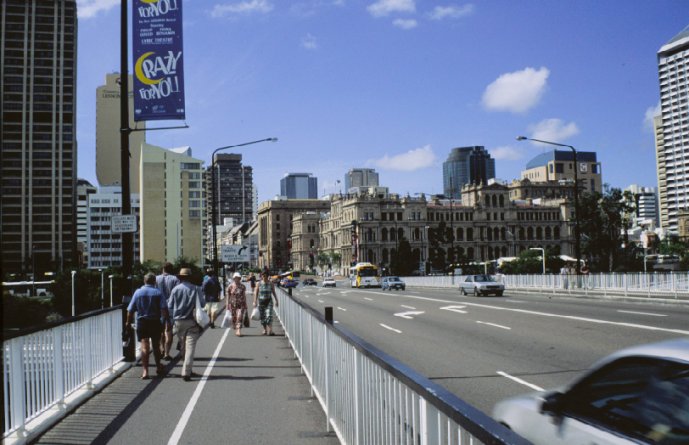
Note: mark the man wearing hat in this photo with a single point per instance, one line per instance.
(182, 303)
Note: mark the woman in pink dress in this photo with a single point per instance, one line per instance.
(236, 302)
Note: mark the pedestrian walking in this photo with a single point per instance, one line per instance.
(211, 292)
(150, 307)
(236, 302)
(263, 299)
(252, 281)
(564, 277)
(165, 282)
(182, 304)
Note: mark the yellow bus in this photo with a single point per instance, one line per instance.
(364, 275)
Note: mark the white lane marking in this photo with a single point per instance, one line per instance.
(344, 292)
(177, 433)
(307, 296)
(523, 382)
(457, 309)
(321, 301)
(369, 299)
(408, 307)
(495, 325)
(342, 309)
(642, 313)
(515, 301)
(335, 321)
(546, 314)
(392, 329)
(409, 315)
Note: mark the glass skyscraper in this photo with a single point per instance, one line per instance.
(299, 186)
(466, 165)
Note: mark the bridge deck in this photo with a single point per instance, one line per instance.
(254, 393)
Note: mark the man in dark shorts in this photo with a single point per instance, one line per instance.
(150, 306)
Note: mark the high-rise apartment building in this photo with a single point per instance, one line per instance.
(105, 247)
(646, 204)
(299, 186)
(84, 189)
(38, 159)
(558, 165)
(361, 177)
(672, 137)
(172, 205)
(234, 194)
(108, 142)
(466, 165)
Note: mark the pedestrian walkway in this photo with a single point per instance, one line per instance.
(250, 390)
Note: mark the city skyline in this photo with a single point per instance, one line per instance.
(426, 79)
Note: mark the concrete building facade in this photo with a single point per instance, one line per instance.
(672, 137)
(558, 165)
(84, 189)
(172, 205)
(108, 141)
(305, 240)
(360, 177)
(38, 160)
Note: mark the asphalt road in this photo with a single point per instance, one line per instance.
(489, 348)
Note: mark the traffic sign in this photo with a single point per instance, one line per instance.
(123, 224)
(234, 253)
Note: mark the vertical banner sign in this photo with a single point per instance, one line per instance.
(158, 60)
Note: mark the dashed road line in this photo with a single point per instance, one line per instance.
(407, 307)
(642, 313)
(391, 329)
(494, 325)
(321, 301)
(369, 299)
(342, 309)
(520, 381)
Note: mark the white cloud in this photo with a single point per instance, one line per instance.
(516, 92)
(90, 8)
(553, 130)
(405, 23)
(383, 8)
(309, 42)
(506, 153)
(451, 12)
(244, 7)
(415, 159)
(651, 112)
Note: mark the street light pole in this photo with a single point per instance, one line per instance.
(577, 233)
(214, 202)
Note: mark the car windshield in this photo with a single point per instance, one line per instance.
(483, 278)
(393, 278)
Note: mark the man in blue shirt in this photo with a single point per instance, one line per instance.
(182, 302)
(150, 307)
(211, 292)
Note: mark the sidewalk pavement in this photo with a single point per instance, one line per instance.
(254, 393)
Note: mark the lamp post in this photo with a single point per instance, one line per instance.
(74, 312)
(214, 202)
(542, 255)
(577, 233)
(425, 259)
(110, 277)
(102, 289)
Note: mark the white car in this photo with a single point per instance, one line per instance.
(481, 284)
(329, 282)
(638, 395)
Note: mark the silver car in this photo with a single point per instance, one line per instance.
(478, 285)
(638, 395)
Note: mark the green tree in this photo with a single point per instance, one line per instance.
(437, 238)
(403, 262)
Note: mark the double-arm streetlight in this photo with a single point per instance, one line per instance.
(214, 202)
(577, 233)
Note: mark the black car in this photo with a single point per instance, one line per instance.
(309, 282)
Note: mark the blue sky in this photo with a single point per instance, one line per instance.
(396, 84)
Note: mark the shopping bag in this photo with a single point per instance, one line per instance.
(247, 323)
(227, 320)
(255, 314)
(201, 317)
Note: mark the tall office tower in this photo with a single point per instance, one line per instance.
(233, 189)
(645, 203)
(84, 189)
(558, 165)
(104, 246)
(673, 147)
(39, 151)
(172, 204)
(466, 165)
(299, 186)
(108, 140)
(660, 169)
(361, 177)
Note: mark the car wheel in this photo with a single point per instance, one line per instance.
(499, 293)
(476, 292)
(462, 291)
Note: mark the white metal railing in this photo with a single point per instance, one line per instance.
(370, 398)
(42, 368)
(637, 283)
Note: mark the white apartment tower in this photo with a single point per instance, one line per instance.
(672, 135)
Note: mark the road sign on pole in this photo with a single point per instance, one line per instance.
(123, 224)
(234, 253)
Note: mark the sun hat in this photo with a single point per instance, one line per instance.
(237, 275)
(184, 272)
